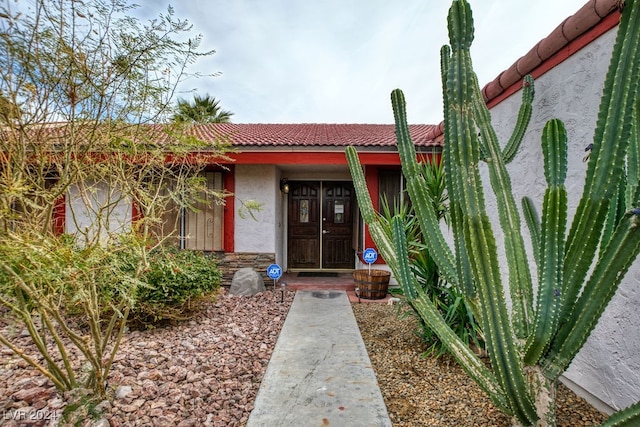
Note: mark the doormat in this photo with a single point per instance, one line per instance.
(316, 274)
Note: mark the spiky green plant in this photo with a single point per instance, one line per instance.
(449, 300)
(531, 344)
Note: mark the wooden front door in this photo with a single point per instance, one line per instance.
(303, 247)
(337, 229)
(320, 225)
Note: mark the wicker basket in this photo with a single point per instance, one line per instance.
(372, 284)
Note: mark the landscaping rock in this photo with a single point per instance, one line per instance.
(427, 391)
(203, 372)
(102, 422)
(207, 372)
(246, 282)
(123, 391)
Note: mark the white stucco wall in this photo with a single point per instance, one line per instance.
(84, 205)
(608, 366)
(280, 217)
(258, 183)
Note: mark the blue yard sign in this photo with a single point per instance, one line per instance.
(370, 255)
(274, 271)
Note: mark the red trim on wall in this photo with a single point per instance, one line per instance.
(59, 215)
(315, 158)
(371, 177)
(136, 213)
(372, 161)
(436, 157)
(611, 21)
(229, 210)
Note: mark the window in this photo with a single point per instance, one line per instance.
(391, 186)
(200, 229)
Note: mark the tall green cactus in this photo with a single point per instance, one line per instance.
(531, 343)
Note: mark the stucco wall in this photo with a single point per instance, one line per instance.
(280, 217)
(98, 199)
(608, 366)
(258, 183)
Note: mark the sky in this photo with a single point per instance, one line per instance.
(337, 61)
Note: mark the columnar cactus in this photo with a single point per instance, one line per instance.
(532, 343)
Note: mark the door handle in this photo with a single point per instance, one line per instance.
(324, 231)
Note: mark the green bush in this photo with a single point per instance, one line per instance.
(176, 280)
(57, 268)
(66, 296)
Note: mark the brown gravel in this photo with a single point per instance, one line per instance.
(203, 372)
(207, 371)
(422, 391)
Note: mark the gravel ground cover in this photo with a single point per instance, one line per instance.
(202, 372)
(421, 391)
(207, 372)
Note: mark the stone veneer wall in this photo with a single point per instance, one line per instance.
(230, 262)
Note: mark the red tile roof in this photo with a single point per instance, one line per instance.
(591, 14)
(271, 136)
(314, 135)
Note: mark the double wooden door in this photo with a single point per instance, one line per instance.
(320, 225)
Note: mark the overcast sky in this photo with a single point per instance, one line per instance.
(337, 61)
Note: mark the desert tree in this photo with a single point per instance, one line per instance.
(85, 90)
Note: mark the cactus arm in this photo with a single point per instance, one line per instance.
(462, 166)
(554, 220)
(402, 271)
(615, 213)
(420, 197)
(396, 256)
(606, 162)
(533, 224)
(616, 259)
(463, 265)
(524, 117)
(463, 268)
(460, 350)
(632, 190)
(382, 239)
(520, 283)
(627, 417)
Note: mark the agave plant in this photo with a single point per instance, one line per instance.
(531, 342)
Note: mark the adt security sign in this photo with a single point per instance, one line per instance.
(274, 271)
(370, 255)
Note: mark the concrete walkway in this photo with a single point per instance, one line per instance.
(319, 373)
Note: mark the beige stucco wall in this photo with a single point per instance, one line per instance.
(257, 183)
(96, 200)
(608, 367)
